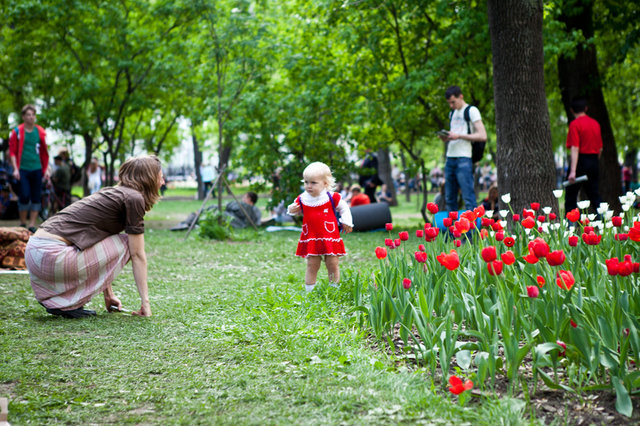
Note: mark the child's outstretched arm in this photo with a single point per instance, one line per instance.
(294, 209)
(345, 216)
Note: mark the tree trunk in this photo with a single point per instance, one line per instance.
(197, 161)
(384, 172)
(524, 154)
(578, 75)
(88, 152)
(405, 171)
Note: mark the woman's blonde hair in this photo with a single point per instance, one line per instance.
(318, 169)
(141, 173)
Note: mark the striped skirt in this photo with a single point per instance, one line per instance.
(65, 277)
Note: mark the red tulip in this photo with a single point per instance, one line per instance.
(388, 242)
(528, 222)
(535, 206)
(421, 256)
(573, 240)
(497, 226)
(388, 226)
(457, 387)
(625, 268)
(533, 291)
(621, 237)
(381, 252)
(489, 254)
(565, 279)
(616, 221)
(508, 257)
(421, 247)
(453, 215)
(552, 216)
(539, 247)
(479, 211)
(483, 234)
(447, 222)
(516, 217)
(573, 215)
(462, 225)
(563, 346)
(406, 283)
(556, 258)
(509, 241)
(404, 235)
(541, 218)
(612, 265)
(419, 233)
(450, 261)
(495, 267)
(636, 267)
(531, 258)
(431, 233)
(591, 238)
(432, 207)
(573, 323)
(457, 243)
(634, 232)
(397, 242)
(500, 235)
(427, 225)
(588, 229)
(540, 280)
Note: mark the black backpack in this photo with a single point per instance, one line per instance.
(477, 148)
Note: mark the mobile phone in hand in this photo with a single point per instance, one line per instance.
(442, 133)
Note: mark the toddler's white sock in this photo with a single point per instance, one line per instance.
(309, 287)
(334, 285)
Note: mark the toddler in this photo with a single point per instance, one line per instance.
(323, 214)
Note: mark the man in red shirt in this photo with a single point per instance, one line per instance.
(585, 143)
(357, 197)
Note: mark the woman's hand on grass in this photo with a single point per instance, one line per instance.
(145, 310)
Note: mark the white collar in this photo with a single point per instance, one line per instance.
(310, 201)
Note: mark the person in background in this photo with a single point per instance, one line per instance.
(369, 179)
(94, 176)
(357, 197)
(30, 160)
(61, 180)
(491, 203)
(458, 168)
(584, 141)
(244, 213)
(385, 195)
(77, 253)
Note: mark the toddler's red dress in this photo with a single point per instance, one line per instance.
(320, 233)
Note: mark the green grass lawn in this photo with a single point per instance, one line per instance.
(233, 340)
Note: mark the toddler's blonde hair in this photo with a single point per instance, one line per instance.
(318, 169)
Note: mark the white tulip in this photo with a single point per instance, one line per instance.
(546, 210)
(584, 204)
(506, 198)
(503, 213)
(557, 193)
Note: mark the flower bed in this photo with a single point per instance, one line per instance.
(562, 293)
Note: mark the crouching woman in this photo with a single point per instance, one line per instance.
(77, 253)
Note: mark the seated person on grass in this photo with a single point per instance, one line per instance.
(357, 197)
(243, 213)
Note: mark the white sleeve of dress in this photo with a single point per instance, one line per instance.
(345, 213)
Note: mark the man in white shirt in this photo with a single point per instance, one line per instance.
(459, 167)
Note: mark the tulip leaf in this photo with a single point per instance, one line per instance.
(634, 379)
(543, 348)
(623, 400)
(463, 358)
(606, 334)
(550, 383)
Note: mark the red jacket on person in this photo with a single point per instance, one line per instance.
(15, 148)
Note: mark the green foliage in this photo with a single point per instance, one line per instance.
(215, 226)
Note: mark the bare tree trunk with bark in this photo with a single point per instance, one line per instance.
(384, 171)
(525, 163)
